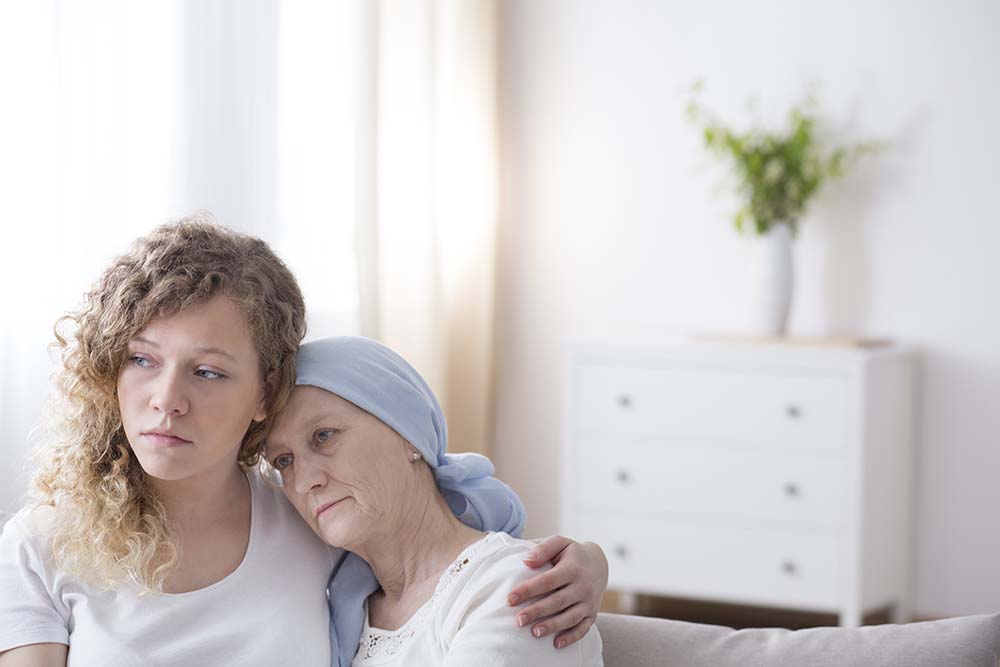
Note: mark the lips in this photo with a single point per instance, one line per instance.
(165, 439)
(324, 507)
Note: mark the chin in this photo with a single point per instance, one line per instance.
(334, 539)
(166, 468)
(168, 473)
(342, 534)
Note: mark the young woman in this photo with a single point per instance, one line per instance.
(361, 451)
(152, 541)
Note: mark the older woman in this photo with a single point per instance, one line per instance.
(360, 450)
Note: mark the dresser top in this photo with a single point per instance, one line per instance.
(839, 342)
(802, 351)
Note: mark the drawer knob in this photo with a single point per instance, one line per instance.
(789, 568)
(793, 411)
(623, 476)
(792, 490)
(621, 551)
(625, 401)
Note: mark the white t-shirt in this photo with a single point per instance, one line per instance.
(467, 620)
(271, 610)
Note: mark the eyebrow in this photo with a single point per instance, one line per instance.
(203, 350)
(334, 423)
(310, 426)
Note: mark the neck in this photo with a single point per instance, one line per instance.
(206, 497)
(416, 551)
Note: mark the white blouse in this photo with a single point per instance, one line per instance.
(467, 620)
(271, 610)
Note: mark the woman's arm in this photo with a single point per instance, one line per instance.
(35, 655)
(572, 589)
(32, 630)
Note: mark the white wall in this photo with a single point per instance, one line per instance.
(610, 229)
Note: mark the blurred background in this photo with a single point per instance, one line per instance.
(481, 184)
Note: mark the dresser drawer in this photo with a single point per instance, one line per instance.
(709, 482)
(727, 563)
(706, 403)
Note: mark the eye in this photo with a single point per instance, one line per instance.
(209, 374)
(141, 362)
(282, 461)
(324, 435)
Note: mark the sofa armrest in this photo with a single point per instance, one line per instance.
(969, 641)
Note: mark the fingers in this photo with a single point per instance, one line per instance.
(574, 634)
(546, 582)
(572, 624)
(550, 605)
(547, 550)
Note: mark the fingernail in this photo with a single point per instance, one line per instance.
(521, 620)
(512, 599)
(561, 643)
(540, 630)
(531, 556)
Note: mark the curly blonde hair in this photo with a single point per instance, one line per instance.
(87, 470)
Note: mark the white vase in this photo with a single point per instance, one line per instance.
(775, 280)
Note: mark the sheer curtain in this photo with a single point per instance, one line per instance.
(428, 264)
(356, 137)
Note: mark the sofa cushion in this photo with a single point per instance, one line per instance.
(969, 641)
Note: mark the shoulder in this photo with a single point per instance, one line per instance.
(269, 500)
(279, 523)
(499, 557)
(30, 529)
(26, 553)
(478, 625)
(483, 576)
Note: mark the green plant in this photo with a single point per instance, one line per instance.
(778, 172)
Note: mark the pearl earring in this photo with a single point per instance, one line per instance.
(415, 456)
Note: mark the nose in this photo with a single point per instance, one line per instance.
(168, 394)
(309, 477)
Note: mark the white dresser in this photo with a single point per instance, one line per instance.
(774, 475)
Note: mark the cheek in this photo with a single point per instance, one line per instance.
(379, 487)
(128, 397)
(226, 407)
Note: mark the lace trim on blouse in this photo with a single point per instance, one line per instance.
(378, 644)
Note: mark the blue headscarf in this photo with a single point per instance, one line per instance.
(382, 383)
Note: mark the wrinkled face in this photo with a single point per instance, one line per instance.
(348, 474)
(189, 389)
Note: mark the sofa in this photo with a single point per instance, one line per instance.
(636, 641)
